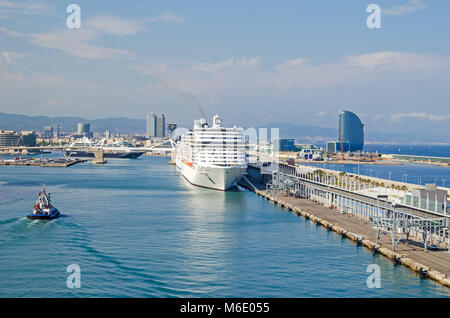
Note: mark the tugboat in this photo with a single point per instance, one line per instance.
(43, 208)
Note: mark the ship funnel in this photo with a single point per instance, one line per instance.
(217, 121)
(203, 122)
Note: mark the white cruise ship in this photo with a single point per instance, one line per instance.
(212, 157)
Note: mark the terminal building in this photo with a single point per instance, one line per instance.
(430, 198)
(309, 152)
(11, 138)
(351, 134)
(28, 139)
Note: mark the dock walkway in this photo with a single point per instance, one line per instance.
(433, 264)
(42, 163)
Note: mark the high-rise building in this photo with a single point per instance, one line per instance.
(58, 131)
(160, 125)
(84, 130)
(151, 125)
(351, 130)
(156, 125)
(351, 134)
(48, 132)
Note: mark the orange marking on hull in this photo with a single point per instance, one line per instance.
(187, 163)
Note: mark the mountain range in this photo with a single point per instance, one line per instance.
(302, 133)
(69, 124)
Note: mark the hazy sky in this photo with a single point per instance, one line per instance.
(253, 62)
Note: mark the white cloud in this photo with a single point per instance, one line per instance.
(115, 25)
(214, 77)
(81, 42)
(166, 17)
(37, 93)
(421, 115)
(12, 33)
(119, 26)
(77, 43)
(376, 117)
(25, 7)
(292, 64)
(412, 6)
(9, 57)
(231, 63)
(398, 60)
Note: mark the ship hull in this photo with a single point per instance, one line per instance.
(217, 178)
(53, 214)
(106, 154)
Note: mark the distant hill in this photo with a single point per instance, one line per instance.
(308, 133)
(288, 130)
(69, 124)
(302, 133)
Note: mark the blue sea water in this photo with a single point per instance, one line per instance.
(138, 229)
(419, 174)
(418, 150)
(408, 172)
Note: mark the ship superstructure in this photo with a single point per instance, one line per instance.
(43, 208)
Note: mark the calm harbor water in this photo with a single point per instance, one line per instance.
(416, 150)
(408, 172)
(138, 229)
(419, 174)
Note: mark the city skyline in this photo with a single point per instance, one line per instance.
(241, 61)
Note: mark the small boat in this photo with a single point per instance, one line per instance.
(43, 208)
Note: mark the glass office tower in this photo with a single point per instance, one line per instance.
(151, 125)
(352, 131)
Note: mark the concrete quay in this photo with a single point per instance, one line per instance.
(41, 163)
(433, 264)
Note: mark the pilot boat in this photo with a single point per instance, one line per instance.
(43, 208)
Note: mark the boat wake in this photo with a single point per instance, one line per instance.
(242, 189)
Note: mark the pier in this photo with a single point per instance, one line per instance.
(372, 216)
(40, 162)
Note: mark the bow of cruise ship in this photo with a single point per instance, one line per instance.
(212, 157)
